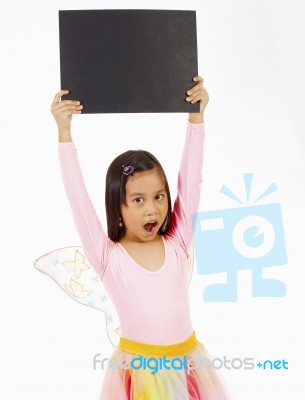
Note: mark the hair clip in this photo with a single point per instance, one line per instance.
(127, 170)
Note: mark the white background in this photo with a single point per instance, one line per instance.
(251, 55)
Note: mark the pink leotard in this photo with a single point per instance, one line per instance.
(152, 306)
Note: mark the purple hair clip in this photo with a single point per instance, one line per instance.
(127, 170)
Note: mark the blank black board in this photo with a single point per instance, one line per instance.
(128, 61)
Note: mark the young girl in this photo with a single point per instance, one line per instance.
(142, 262)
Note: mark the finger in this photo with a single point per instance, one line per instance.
(67, 113)
(63, 114)
(67, 102)
(68, 107)
(198, 79)
(70, 112)
(198, 86)
(197, 98)
(59, 95)
(195, 90)
(65, 105)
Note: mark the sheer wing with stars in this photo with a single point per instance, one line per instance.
(70, 269)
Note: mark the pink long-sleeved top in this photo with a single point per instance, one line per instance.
(152, 306)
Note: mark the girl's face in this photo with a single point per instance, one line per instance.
(147, 205)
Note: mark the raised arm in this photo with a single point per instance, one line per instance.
(190, 173)
(94, 240)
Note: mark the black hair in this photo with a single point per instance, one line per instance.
(115, 191)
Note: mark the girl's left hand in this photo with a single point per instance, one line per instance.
(195, 94)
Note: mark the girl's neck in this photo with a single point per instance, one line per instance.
(126, 241)
(149, 255)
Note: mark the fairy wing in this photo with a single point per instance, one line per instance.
(71, 270)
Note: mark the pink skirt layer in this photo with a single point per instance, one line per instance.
(190, 377)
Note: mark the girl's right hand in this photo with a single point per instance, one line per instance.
(63, 110)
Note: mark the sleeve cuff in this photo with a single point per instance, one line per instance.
(66, 145)
(194, 126)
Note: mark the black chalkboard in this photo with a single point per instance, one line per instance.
(128, 61)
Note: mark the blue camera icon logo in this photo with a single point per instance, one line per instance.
(248, 237)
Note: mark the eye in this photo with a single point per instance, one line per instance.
(159, 196)
(139, 200)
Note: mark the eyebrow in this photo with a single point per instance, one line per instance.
(141, 194)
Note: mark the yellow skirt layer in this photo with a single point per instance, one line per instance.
(156, 350)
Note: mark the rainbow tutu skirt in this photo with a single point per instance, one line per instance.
(179, 371)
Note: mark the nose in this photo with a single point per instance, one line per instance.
(151, 208)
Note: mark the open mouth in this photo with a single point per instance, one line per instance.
(149, 227)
